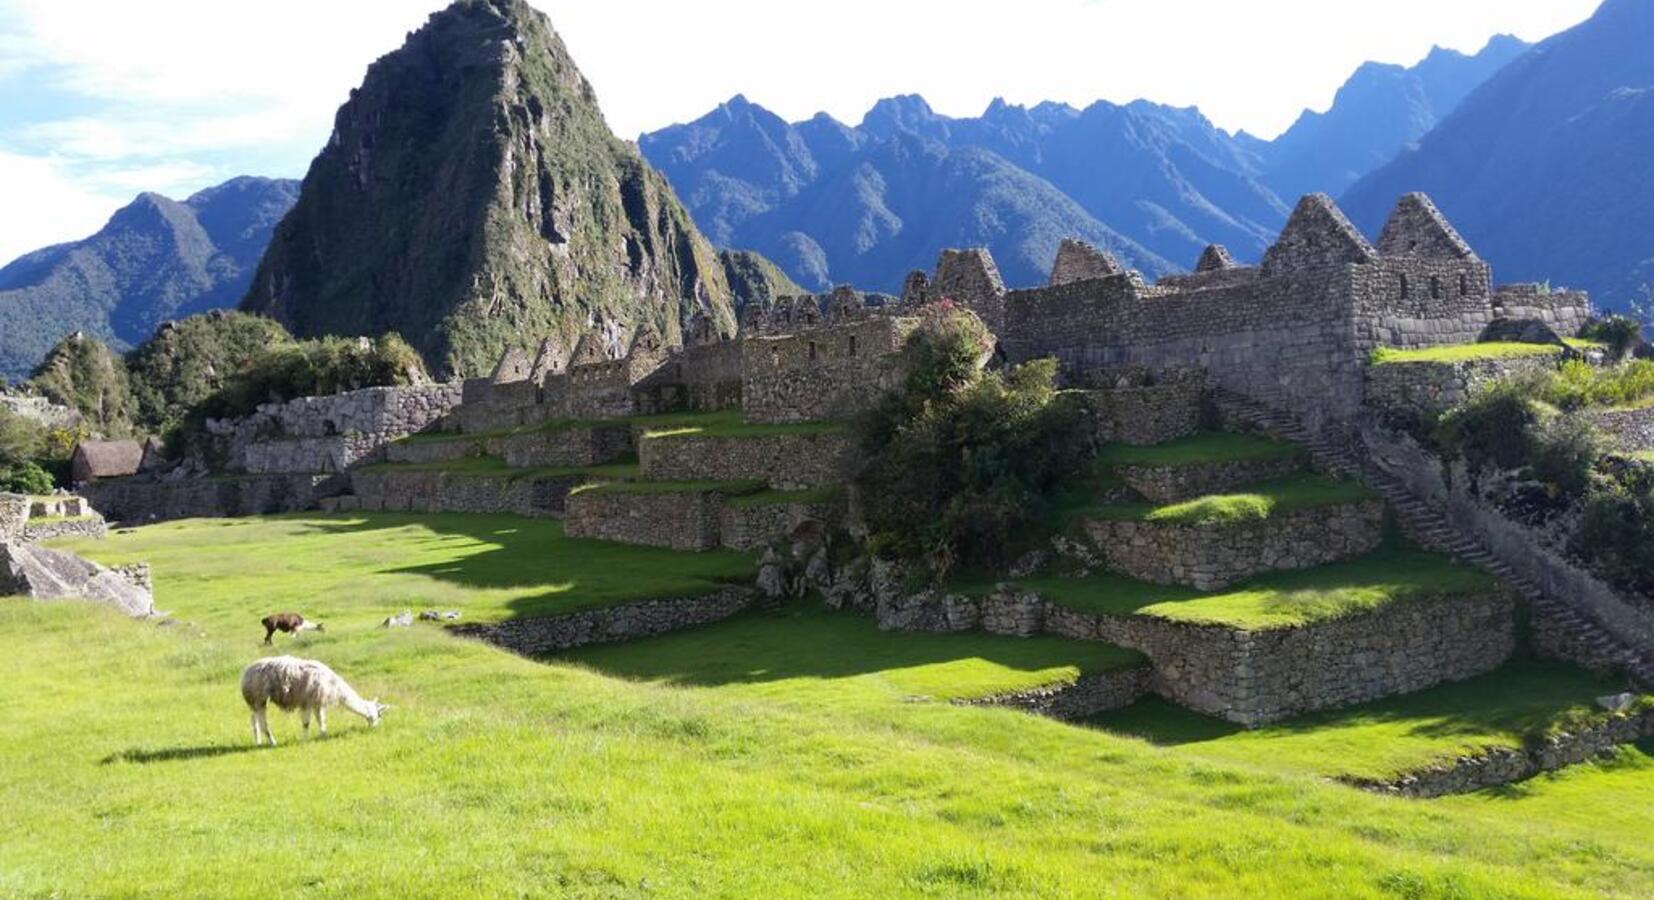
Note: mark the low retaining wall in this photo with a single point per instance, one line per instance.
(787, 462)
(1256, 677)
(1209, 557)
(432, 452)
(134, 501)
(1631, 429)
(1504, 765)
(1173, 484)
(680, 520)
(431, 490)
(1146, 414)
(1408, 392)
(750, 527)
(48, 528)
(1088, 695)
(581, 446)
(547, 634)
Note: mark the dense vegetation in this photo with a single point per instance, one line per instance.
(962, 460)
(1538, 428)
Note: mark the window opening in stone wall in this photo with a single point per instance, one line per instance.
(1404, 291)
(812, 351)
(1435, 288)
(850, 348)
(1464, 285)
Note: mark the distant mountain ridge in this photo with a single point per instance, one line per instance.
(1545, 167)
(156, 259)
(1151, 184)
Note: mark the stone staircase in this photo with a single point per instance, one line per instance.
(1577, 632)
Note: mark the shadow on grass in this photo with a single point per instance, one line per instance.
(518, 552)
(1524, 697)
(807, 641)
(210, 751)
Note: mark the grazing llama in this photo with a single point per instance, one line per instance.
(287, 623)
(302, 684)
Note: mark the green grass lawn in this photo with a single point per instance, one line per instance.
(359, 569)
(1389, 737)
(821, 494)
(1452, 353)
(799, 762)
(1208, 447)
(1261, 501)
(1276, 600)
(728, 423)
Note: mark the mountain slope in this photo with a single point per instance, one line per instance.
(156, 259)
(1377, 113)
(472, 197)
(1544, 169)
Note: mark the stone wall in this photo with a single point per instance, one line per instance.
(1524, 550)
(133, 501)
(1563, 310)
(680, 520)
(547, 634)
(14, 514)
(1087, 696)
(786, 462)
(1631, 429)
(1256, 677)
(45, 529)
(1503, 765)
(566, 446)
(699, 378)
(331, 433)
(435, 490)
(751, 526)
(1213, 556)
(1173, 484)
(822, 374)
(1418, 391)
(1141, 407)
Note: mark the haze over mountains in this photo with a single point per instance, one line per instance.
(1548, 168)
(156, 259)
(1153, 184)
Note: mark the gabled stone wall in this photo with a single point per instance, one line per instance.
(822, 374)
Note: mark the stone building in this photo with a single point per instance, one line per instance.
(104, 459)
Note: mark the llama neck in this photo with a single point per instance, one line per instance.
(349, 699)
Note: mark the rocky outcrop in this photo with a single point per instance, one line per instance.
(31, 571)
(472, 198)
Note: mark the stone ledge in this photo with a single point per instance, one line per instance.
(1088, 695)
(1504, 765)
(1209, 557)
(787, 462)
(540, 635)
(1176, 483)
(678, 520)
(436, 490)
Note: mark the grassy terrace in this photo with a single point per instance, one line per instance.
(777, 756)
(619, 469)
(1274, 498)
(1387, 738)
(727, 488)
(770, 497)
(1208, 447)
(1453, 353)
(1276, 600)
(718, 423)
(363, 568)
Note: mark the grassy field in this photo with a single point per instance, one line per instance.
(1208, 447)
(1276, 600)
(1257, 502)
(1451, 353)
(789, 755)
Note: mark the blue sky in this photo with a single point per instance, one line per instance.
(102, 99)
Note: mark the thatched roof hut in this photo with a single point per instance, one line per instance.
(105, 459)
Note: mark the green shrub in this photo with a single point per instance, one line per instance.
(1563, 451)
(83, 374)
(188, 361)
(313, 368)
(1492, 428)
(1618, 530)
(1577, 384)
(25, 478)
(962, 462)
(1622, 334)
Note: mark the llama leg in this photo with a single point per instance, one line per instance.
(321, 719)
(264, 720)
(258, 736)
(304, 716)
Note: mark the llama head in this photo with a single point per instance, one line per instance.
(377, 710)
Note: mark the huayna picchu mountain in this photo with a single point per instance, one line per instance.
(156, 259)
(472, 197)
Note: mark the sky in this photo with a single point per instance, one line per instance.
(102, 99)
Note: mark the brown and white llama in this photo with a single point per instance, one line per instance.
(288, 623)
(304, 685)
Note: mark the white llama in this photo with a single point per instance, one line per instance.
(302, 684)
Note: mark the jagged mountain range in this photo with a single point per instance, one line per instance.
(1546, 167)
(156, 259)
(1153, 184)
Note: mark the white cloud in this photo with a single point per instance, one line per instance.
(41, 205)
